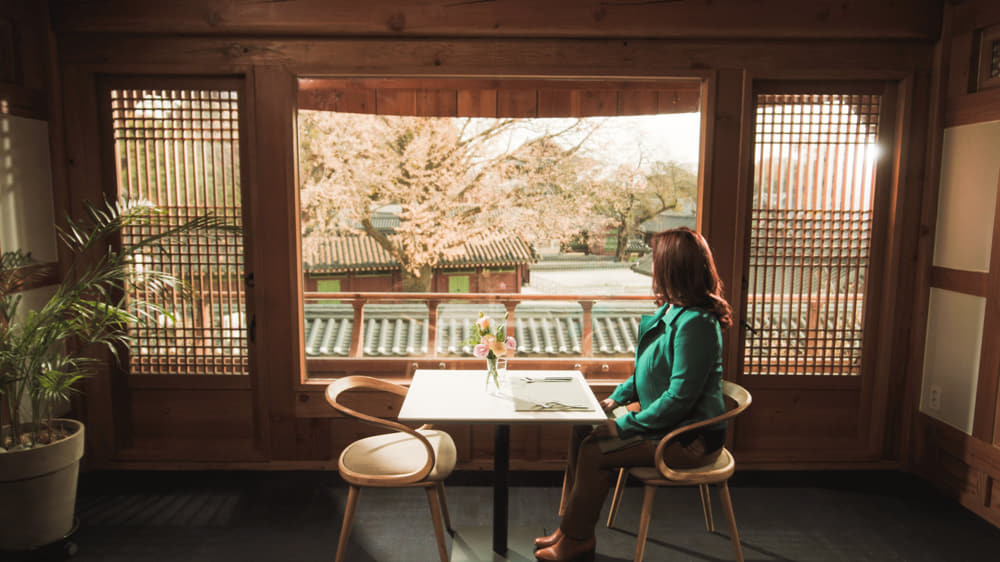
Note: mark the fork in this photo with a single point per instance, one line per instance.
(556, 405)
(529, 380)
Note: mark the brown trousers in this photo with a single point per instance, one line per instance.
(590, 474)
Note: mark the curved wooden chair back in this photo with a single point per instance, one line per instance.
(333, 396)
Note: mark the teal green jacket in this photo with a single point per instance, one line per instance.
(678, 373)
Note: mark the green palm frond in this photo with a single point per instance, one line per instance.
(99, 300)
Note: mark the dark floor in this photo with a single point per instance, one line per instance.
(295, 516)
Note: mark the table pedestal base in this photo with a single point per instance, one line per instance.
(475, 544)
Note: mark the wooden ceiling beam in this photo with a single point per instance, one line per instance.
(731, 19)
(520, 58)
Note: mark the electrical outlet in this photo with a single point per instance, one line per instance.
(934, 397)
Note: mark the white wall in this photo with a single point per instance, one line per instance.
(970, 172)
(970, 164)
(26, 211)
(951, 357)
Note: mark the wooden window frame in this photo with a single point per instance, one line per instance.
(154, 82)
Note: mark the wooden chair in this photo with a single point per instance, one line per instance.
(406, 458)
(662, 475)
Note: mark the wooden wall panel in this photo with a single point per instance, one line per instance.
(977, 107)
(919, 122)
(396, 102)
(477, 103)
(196, 425)
(347, 100)
(961, 466)
(966, 467)
(24, 45)
(595, 102)
(986, 425)
(479, 98)
(961, 281)
(824, 421)
(643, 102)
(678, 102)
(191, 413)
(274, 208)
(555, 102)
(437, 103)
(517, 103)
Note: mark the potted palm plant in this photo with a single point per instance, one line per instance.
(45, 352)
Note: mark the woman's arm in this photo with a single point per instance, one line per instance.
(697, 348)
(625, 391)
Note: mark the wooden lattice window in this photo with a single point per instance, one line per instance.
(179, 149)
(814, 177)
(989, 58)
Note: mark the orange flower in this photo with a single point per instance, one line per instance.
(498, 347)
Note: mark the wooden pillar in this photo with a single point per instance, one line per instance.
(432, 313)
(587, 345)
(358, 335)
(510, 306)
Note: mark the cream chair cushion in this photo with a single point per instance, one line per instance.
(400, 453)
(652, 473)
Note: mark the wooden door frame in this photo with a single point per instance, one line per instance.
(884, 266)
(119, 382)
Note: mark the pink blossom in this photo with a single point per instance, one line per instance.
(483, 323)
(511, 344)
(481, 350)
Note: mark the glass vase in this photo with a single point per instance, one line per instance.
(496, 374)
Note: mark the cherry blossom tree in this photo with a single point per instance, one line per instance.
(453, 181)
(632, 194)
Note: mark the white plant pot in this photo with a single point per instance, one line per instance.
(38, 487)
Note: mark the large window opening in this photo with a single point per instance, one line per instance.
(530, 199)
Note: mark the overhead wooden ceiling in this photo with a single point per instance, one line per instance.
(652, 19)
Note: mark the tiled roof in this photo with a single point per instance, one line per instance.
(637, 246)
(643, 265)
(361, 253)
(665, 221)
(554, 329)
(542, 329)
(385, 222)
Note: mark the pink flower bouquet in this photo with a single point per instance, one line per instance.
(491, 342)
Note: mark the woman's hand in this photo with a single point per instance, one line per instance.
(608, 404)
(609, 427)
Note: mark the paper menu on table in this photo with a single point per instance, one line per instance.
(557, 394)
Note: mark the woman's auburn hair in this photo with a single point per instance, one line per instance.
(684, 273)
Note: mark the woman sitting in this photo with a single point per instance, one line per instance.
(677, 381)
